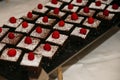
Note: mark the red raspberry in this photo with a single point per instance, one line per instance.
(28, 40)
(0, 29)
(11, 35)
(70, 6)
(29, 15)
(61, 23)
(39, 29)
(83, 31)
(54, 1)
(74, 16)
(78, 1)
(90, 20)
(12, 20)
(115, 6)
(98, 3)
(86, 9)
(106, 12)
(24, 24)
(55, 35)
(45, 19)
(56, 11)
(40, 6)
(47, 47)
(11, 52)
(31, 56)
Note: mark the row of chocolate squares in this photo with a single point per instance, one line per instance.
(27, 58)
(58, 13)
(76, 4)
(97, 4)
(82, 2)
(32, 39)
(70, 8)
(22, 26)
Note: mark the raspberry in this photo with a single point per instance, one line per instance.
(74, 16)
(12, 20)
(90, 20)
(55, 35)
(98, 3)
(39, 29)
(56, 11)
(40, 6)
(0, 29)
(24, 24)
(31, 56)
(70, 6)
(83, 31)
(11, 52)
(11, 35)
(86, 9)
(29, 15)
(106, 12)
(28, 40)
(61, 23)
(78, 1)
(115, 6)
(45, 19)
(54, 1)
(47, 47)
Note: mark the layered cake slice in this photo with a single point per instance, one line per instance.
(11, 54)
(114, 8)
(97, 5)
(74, 18)
(3, 31)
(13, 22)
(40, 32)
(70, 8)
(31, 61)
(45, 21)
(63, 26)
(86, 11)
(30, 17)
(40, 9)
(12, 38)
(79, 2)
(91, 22)
(28, 43)
(106, 15)
(46, 50)
(25, 27)
(80, 32)
(56, 13)
(54, 4)
(57, 38)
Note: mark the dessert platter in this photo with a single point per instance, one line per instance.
(52, 34)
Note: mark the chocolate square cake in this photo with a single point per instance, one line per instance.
(46, 50)
(40, 32)
(11, 54)
(25, 27)
(45, 21)
(79, 2)
(57, 38)
(28, 43)
(13, 22)
(12, 38)
(40, 9)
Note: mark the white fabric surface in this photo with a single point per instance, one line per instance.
(100, 64)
